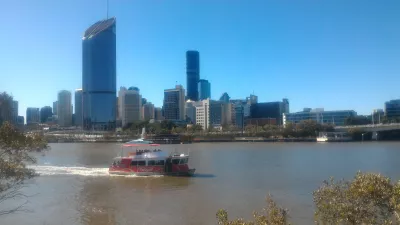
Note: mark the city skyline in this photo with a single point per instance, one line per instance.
(310, 69)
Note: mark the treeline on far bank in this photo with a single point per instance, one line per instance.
(304, 129)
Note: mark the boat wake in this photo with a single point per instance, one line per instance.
(46, 170)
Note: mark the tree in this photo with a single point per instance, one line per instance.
(368, 199)
(15, 148)
(272, 215)
(14, 154)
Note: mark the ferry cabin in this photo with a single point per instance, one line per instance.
(151, 164)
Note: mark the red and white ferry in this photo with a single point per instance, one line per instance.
(145, 158)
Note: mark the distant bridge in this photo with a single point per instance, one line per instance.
(370, 127)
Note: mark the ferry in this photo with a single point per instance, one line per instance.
(145, 158)
(148, 159)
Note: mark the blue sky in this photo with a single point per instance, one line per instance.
(336, 54)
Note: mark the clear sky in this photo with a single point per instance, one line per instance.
(336, 54)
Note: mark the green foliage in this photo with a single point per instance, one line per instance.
(15, 148)
(272, 215)
(368, 199)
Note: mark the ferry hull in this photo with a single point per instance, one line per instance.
(188, 173)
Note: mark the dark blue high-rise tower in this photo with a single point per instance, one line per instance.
(99, 76)
(192, 75)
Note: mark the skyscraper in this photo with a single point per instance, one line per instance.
(64, 108)
(32, 115)
(55, 106)
(14, 113)
(225, 97)
(78, 107)
(45, 113)
(174, 103)
(130, 105)
(204, 89)
(99, 75)
(148, 111)
(192, 75)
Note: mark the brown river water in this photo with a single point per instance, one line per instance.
(74, 186)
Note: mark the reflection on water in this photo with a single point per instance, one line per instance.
(75, 188)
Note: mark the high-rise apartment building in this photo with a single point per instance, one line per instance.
(174, 103)
(64, 109)
(204, 88)
(192, 75)
(99, 75)
(130, 105)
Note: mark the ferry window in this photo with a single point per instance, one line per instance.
(134, 163)
(151, 162)
(159, 162)
(141, 163)
(184, 161)
(175, 161)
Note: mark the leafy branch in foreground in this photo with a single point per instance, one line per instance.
(367, 199)
(15, 149)
(272, 215)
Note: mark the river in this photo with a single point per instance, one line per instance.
(75, 188)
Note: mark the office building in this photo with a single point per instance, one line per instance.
(225, 97)
(78, 108)
(55, 106)
(174, 103)
(192, 75)
(20, 121)
(64, 109)
(45, 113)
(130, 105)
(14, 112)
(239, 116)
(269, 110)
(203, 113)
(32, 116)
(253, 99)
(392, 109)
(319, 115)
(218, 113)
(148, 111)
(377, 116)
(190, 112)
(204, 88)
(158, 114)
(99, 76)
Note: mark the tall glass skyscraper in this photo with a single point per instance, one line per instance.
(204, 89)
(99, 76)
(192, 75)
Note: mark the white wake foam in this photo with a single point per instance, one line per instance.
(46, 170)
(69, 170)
